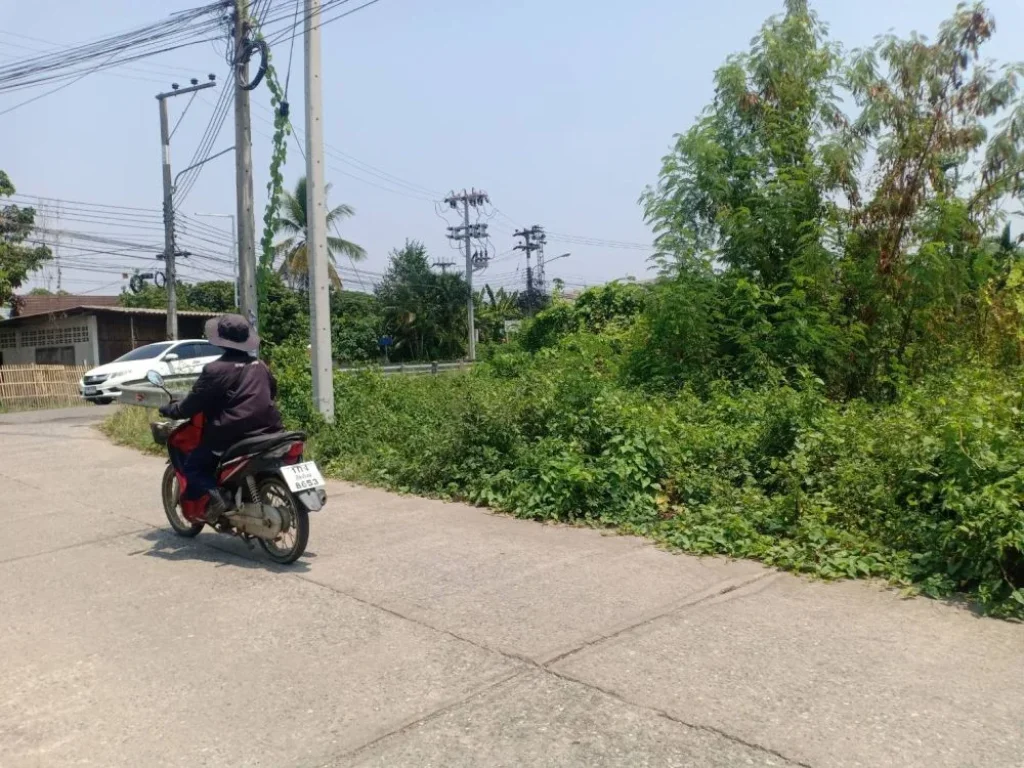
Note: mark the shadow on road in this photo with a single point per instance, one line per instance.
(216, 548)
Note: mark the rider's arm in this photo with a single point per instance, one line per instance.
(273, 384)
(204, 393)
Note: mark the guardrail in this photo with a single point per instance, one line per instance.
(408, 370)
(144, 394)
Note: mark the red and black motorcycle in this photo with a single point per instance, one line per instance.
(272, 489)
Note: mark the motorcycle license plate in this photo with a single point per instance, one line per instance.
(302, 477)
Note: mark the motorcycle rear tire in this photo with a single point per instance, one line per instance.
(169, 492)
(271, 491)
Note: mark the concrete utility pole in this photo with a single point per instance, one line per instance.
(243, 177)
(169, 272)
(533, 240)
(316, 221)
(467, 233)
(168, 208)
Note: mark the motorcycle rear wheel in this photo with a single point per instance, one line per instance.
(171, 493)
(290, 544)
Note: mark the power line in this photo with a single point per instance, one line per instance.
(52, 91)
(206, 143)
(177, 31)
(125, 217)
(398, 186)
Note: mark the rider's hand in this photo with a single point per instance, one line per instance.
(165, 410)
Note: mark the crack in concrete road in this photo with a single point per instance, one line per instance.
(546, 667)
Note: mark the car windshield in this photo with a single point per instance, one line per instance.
(147, 352)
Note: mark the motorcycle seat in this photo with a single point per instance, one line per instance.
(261, 443)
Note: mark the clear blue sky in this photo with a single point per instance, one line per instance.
(561, 111)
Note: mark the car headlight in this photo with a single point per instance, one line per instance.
(119, 374)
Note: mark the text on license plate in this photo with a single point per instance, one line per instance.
(302, 477)
(90, 390)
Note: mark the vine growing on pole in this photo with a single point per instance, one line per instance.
(279, 153)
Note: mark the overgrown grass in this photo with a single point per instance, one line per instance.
(926, 492)
(130, 426)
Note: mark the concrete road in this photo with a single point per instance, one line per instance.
(417, 633)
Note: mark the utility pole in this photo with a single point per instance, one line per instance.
(231, 255)
(443, 266)
(467, 233)
(243, 175)
(168, 207)
(56, 249)
(316, 221)
(533, 240)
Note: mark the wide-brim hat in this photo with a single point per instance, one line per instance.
(232, 332)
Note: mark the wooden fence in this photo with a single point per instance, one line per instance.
(28, 387)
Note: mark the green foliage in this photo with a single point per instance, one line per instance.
(611, 308)
(928, 493)
(211, 296)
(356, 322)
(284, 319)
(826, 377)
(859, 247)
(424, 312)
(294, 263)
(491, 310)
(130, 426)
(278, 156)
(17, 261)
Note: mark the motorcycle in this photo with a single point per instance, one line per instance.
(272, 489)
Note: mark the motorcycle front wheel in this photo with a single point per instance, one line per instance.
(171, 493)
(291, 542)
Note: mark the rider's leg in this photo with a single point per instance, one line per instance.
(200, 469)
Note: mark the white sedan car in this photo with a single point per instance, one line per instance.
(102, 385)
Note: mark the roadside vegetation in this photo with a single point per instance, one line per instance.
(826, 376)
(130, 427)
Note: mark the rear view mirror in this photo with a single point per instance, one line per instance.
(155, 379)
(171, 357)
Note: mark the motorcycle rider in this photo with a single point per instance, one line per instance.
(236, 395)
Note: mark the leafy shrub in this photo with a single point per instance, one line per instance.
(925, 492)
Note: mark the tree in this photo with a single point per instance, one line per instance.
(794, 236)
(17, 261)
(284, 320)
(209, 296)
(493, 308)
(294, 266)
(424, 312)
(356, 326)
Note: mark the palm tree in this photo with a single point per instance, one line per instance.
(294, 267)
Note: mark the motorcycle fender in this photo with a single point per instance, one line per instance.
(313, 500)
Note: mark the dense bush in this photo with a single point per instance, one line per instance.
(926, 492)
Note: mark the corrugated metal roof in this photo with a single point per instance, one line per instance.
(146, 311)
(42, 305)
(88, 309)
